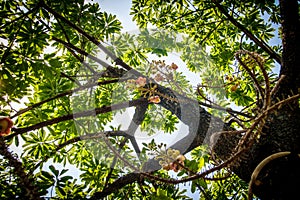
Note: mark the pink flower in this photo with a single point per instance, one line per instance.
(141, 81)
(154, 99)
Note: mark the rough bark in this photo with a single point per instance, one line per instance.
(280, 179)
(291, 47)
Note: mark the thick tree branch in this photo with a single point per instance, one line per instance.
(180, 106)
(66, 94)
(208, 126)
(291, 48)
(138, 118)
(86, 113)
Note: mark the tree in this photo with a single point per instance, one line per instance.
(50, 55)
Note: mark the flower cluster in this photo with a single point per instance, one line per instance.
(172, 160)
(139, 83)
(161, 71)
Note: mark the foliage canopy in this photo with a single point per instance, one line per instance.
(75, 72)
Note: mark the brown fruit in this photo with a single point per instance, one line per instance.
(5, 125)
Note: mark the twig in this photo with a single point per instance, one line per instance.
(62, 74)
(275, 88)
(6, 53)
(254, 56)
(210, 32)
(256, 84)
(218, 107)
(71, 47)
(114, 162)
(23, 15)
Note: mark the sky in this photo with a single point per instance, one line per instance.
(121, 8)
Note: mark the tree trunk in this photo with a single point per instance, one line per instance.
(280, 178)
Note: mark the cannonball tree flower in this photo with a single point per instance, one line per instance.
(180, 159)
(177, 165)
(141, 81)
(154, 99)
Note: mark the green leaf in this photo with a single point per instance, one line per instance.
(201, 163)
(53, 170)
(47, 175)
(63, 171)
(65, 179)
(60, 191)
